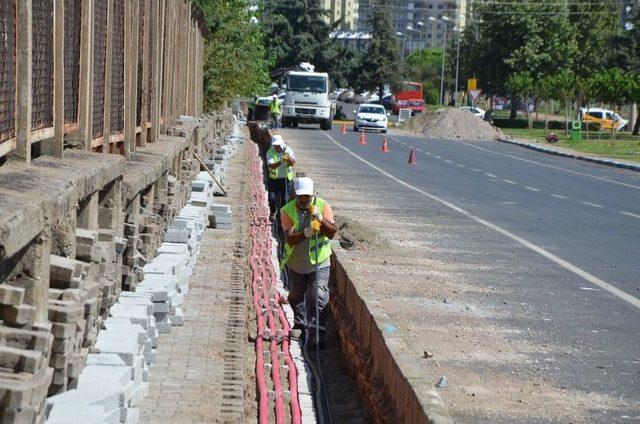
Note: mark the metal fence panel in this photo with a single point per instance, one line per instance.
(7, 69)
(42, 67)
(99, 56)
(139, 88)
(72, 16)
(117, 69)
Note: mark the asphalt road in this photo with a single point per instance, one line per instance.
(572, 229)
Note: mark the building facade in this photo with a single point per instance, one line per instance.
(419, 23)
(345, 11)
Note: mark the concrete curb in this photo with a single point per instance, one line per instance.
(601, 161)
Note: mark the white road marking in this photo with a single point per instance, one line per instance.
(490, 175)
(529, 245)
(475, 169)
(509, 181)
(460, 165)
(589, 289)
(418, 149)
(438, 157)
(630, 214)
(531, 188)
(595, 177)
(595, 205)
(448, 161)
(428, 153)
(559, 196)
(507, 203)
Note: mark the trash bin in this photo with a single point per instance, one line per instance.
(576, 131)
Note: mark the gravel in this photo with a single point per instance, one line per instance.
(450, 123)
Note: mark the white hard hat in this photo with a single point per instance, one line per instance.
(277, 140)
(303, 186)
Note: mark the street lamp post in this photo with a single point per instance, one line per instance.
(444, 51)
(455, 99)
(433, 30)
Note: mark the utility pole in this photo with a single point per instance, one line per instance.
(455, 99)
(444, 51)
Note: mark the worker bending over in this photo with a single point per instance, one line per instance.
(307, 222)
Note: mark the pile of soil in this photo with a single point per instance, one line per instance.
(355, 236)
(451, 123)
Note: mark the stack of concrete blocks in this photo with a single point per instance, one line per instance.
(25, 349)
(150, 231)
(115, 379)
(131, 266)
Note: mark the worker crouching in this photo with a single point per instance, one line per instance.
(308, 225)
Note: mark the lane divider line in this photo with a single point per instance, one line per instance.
(630, 214)
(531, 188)
(559, 196)
(529, 245)
(509, 181)
(595, 205)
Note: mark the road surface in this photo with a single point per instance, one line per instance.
(554, 241)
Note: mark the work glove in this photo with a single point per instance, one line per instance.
(285, 158)
(312, 229)
(314, 211)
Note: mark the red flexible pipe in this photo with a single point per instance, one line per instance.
(266, 296)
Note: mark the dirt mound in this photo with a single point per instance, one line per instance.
(451, 123)
(355, 236)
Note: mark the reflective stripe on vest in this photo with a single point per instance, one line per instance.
(323, 249)
(275, 157)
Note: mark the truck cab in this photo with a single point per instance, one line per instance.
(307, 100)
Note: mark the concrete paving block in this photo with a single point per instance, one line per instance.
(105, 359)
(85, 414)
(125, 345)
(178, 318)
(138, 395)
(161, 307)
(127, 327)
(138, 301)
(173, 248)
(98, 375)
(200, 186)
(133, 416)
(138, 314)
(164, 327)
(109, 398)
(176, 235)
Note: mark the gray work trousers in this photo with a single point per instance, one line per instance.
(302, 296)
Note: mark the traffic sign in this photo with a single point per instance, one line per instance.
(472, 84)
(474, 94)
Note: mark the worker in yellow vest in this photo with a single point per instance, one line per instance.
(280, 161)
(308, 225)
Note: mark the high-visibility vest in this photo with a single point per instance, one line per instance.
(275, 157)
(323, 248)
(274, 107)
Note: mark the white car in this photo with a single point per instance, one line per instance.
(370, 116)
(475, 110)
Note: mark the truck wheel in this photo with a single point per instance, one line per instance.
(326, 124)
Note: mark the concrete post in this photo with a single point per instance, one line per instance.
(24, 41)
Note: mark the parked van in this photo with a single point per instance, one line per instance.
(604, 117)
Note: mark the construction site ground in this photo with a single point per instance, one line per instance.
(505, 328)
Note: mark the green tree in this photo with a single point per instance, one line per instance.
(298, 33)
(382, 64)
(235, 60)
(563, 86)
(521, 85)
(424, 66)
(613, 86)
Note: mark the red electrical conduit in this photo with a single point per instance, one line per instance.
(266, 301)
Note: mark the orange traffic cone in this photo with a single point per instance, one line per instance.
(384, 147)
(362, 138)
(344, 128)
(412, 157)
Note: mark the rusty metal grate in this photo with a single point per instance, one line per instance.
(7, 69)
(117, 69)
(42, 68)
(99, 61)
(141, 47)
(150, 94)
(72, 16)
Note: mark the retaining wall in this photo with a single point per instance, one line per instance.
(74, 232)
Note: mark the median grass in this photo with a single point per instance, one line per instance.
(626, 146)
